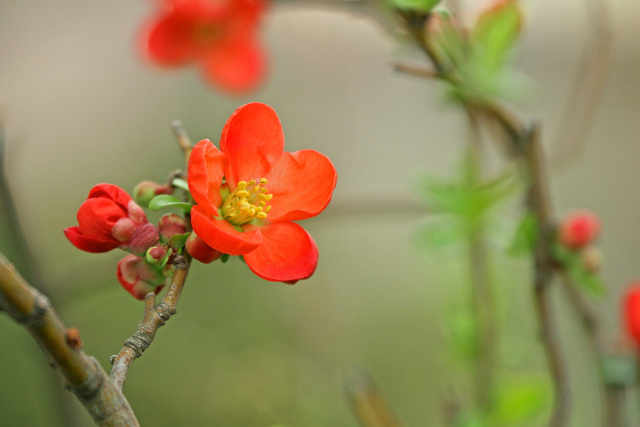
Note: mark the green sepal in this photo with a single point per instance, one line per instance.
(574, 266)
(160, 263)
(224, 258)
(178, 241)
(166, 201)
(180, 183)
(619, 371)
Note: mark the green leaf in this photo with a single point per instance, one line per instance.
(463, 332)
(520, 398)
(415, 5)
(180, 183)
(525, 237)
(165, 201)
(178, 241)
(496, 32)
(224, 258)
(442, 233)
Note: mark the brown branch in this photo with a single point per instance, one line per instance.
(367, 402)
(183, 140)
(86, 378)
(415, 71)
(155, 315)
(540, 203)
(588, 84)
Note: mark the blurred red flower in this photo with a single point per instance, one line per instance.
(249, 191)
(220, 35)
(631, 312)
(110, 219)
(578, 229)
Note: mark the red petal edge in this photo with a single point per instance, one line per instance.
(205, 172)
(253, 141)
(287, 253)
(88, 244)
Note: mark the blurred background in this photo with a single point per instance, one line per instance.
(80, 106)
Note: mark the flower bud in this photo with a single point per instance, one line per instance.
(145, 191)
(631, 311)
(592, 259)
(138, 277)
(199, 250)
(158, 255)
(170, 225)
(108, 219)
(578, 229)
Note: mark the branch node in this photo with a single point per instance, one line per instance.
(88, 388)
(165, 312)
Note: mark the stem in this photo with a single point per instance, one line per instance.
(540, 204)
(155, 316)
(86, 378)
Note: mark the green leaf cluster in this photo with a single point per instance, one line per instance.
(476, 62)
(462, 207)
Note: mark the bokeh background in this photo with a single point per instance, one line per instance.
(80, 106)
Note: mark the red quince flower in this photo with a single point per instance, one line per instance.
(219, 35)
(138, 277)
(249, 191)
(578, 229)
(110, 219)
(631, 311)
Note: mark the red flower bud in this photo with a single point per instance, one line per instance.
(110, 219)
(578, 229)
(138, 277)
(147, 190)
(631, 311)
(170, 225)
(199, 250)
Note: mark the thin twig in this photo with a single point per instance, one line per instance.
(86, 378)
(367, 402)
(540, 203)
(588, 84)
(415, 71)
(183, 139)
(155, 315)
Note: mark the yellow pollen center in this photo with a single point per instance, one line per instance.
(247, 202)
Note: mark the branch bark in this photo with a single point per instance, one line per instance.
(155, 316)
(86, 378)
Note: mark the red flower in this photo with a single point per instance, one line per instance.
(110, 219)
(631, 311)
(249, 213)
(139, 277)
(220, 35)
(578, 229)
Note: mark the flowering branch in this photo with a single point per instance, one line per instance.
(155, 315)
(86, 378)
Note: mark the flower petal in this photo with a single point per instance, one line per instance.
(238, 66)
(287, 253)
(206, 169)
(112, 192)
(97, 216)
(253, 141)
(302, 184)
(221, 235)
(88, 244)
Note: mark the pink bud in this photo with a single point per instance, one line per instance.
(145, 191)
(578, 229)
(170, 225)
(139, 277)
(123, 229)
(199, 250)
(144, 236)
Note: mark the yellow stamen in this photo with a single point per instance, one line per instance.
(246, 202)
